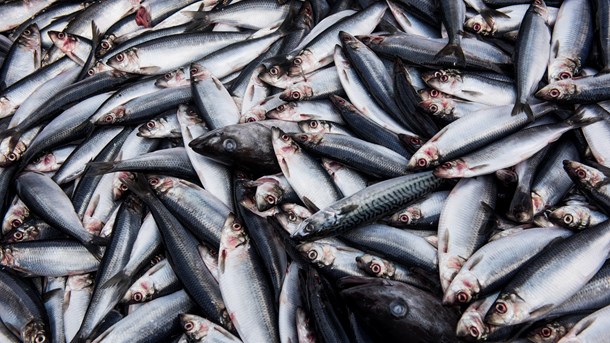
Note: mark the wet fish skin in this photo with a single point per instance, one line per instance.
(23, 58)
(576, 217)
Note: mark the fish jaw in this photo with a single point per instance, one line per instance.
(508, 309)
(453, 169)
(462, 289)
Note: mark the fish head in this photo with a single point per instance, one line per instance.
(276, 74)
(6, 257)
(311, 139)
(471, 326)
(268, 195)
(438, 107)
(424, 158)
(115, 115)
(45, 163)
(199, 73)
(296, 92)
(283, 111)
(463, 289)
(539, 6)
(310, 228)
(232, 235)
(105, 46)
(79, 281)
(349, 40)
(172, 79)
(21, 234)
(431, 93)
(220, 144)
(370, 39)
(291, 216)
(302, 64)
(406, 217)
(507, 176)
(283, 144)
(547, 333)
(15, 216)
(313, 126)
(449, 266)
(98, 67)
(479, 26)
(141, 292)
(508, 309)
(188, 116)
(35, 332)
(342, 104)
(448, 81)
(319, 254)
(118, 186)
(563, 69)
(6, 107)
(30, 38)
(558, 91)
(584, 175)
(256, 113)
(162, 184)
(127, 61)
(153, 127)
(195, 327)
(569, 216)
(451, 169)
(66, 42)
(375, 266)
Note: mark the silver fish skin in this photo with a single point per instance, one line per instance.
(147, 58)
(381, 268)
(14, 13)
(570, 43)
(146, 245)
(318, 52)
(551, 331)
(464, 225)
(210, 258)
(7, 336)
(249, 14)
(101, 206)
(453, 14)
(23, 58)
(526, 296)
(469, 87)
(213, 176)
(163, 312)
(592, 328)
(290, 300)
(534, 35)
(509, 23)
(587, 89)
(410, 23)
(103, 14)
(77, 48)
(472, 324)
(332, 258)
(51, 161)
(323, 126)
(302, 171)
(491, 266)
(48, 16)
(78, 291)
(576, 217)
(597, 133)
(156, 281)
(48, 258)
(125, 94)
(251, 304)
(54, 302)
(272, 190)
(422, 213)
(201, 330)
(164, 126)
(306, 110)
(346, 179)
(212, 99)
(510, 150)
(361, 207)
(43, 195)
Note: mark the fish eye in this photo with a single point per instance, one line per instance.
(151, 124)
(437, 73)
(565, 75)
(313, 124)
(416, 141)
(295, 95)
(12, 157)
(105, 45)
(194, 70)
(250, 120)
(546, 332)
(40, 339)
(477, 27)
(554, 92)
(137, 297)
(501, 308)
(444, 78)
(308, 228)
(474, 332)
(16, 222)
(108, 118)
(375, 268)
(292, 217)
(229, 145)
(18, 235)
(462, 297)
(90, 72)
(581, 173)
(312, 254)
(120, 57)
(297, 61)
(27, 32)
(433, 108)
(153, 181)
(285, 137)
(398, 308)
(568, 219)
(422, 162)
(168, 76)
(188, 326)
(274, 71)
(61, 35)
(281, 108)
(447, 165)
(404, 218)
(270, 199)
(434, 93)
(72, 38)
(236, 227)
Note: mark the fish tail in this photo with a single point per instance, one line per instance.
(95, 249)
(489, 15)
(98, 168)
(521, 207)
(13, 134)
(452, 49)
(579, 120)
(118, 279)
(523, 107)
(200, 20)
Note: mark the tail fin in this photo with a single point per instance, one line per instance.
(521, 208)
(119, 278)
(12, 134)
(523, 108)
(489, 14)
(95, 250)
(580, 120)
(98, 168)
(452, 49)
(200, 20)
